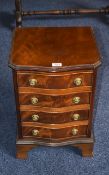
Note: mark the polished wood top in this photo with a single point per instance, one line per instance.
(38, 48)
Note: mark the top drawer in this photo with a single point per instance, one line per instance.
(54, 80)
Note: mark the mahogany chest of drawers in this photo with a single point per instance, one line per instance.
(54, 72)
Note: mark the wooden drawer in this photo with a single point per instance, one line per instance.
(53, 100)
(54, 118)
(54, 132)
(54, 80)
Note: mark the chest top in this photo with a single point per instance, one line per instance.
(54, 49)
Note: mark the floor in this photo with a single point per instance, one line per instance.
(61, 160)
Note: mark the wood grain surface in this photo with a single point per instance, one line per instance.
(54, 101)
(53, 118)
(33, 55)
(54, 81)
(55, 131)
(74, 47)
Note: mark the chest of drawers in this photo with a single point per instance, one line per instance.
(54, 72)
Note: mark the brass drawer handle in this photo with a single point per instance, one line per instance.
(74, 131)
(34, 100)
(32, 82)
(35, 132)
(76, 100)
(76, 116)
(35, 117)
(78, 81)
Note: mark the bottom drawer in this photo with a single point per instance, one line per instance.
(54, 132)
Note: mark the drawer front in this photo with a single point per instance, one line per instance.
(57, 81)
(47, 133)
(54, 118)
(54, 101)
